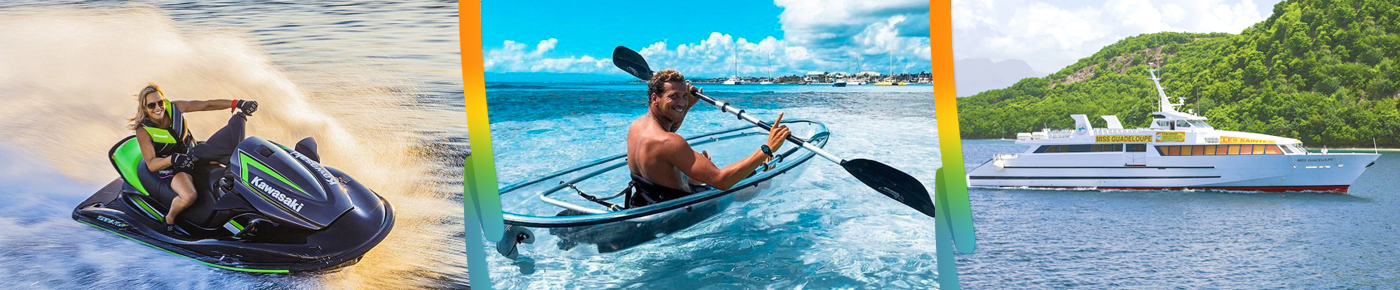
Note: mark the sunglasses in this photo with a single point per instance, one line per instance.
(153, 106)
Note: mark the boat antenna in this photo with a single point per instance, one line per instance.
(1165, 102)
(1376, 149)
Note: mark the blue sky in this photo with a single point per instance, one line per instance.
(700, 38)
(1050, 35)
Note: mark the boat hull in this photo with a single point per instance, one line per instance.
(1269, 173)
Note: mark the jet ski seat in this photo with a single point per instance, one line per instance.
(154, 194)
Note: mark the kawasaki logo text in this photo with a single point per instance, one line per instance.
(290, 202)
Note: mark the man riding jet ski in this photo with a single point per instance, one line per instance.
(233, 203)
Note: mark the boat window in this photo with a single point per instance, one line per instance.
(1199, 123)
(1080, 148)
(1285, 150)
(1197, 150)
(1182, 123)
(1137, 147)
(1162, 123)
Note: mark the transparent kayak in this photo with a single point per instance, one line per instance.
(554, 201)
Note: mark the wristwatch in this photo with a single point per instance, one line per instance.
(766, 150)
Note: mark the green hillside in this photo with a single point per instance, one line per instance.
(1321, 71)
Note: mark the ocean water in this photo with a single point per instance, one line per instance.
(1091, 239)
(377, 83)
(823, 229)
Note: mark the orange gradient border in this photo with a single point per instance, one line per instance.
(480, 196)
(953, 225)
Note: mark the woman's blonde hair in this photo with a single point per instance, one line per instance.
(135, 121)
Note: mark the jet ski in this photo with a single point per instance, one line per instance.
(271, 209)
(586, 207)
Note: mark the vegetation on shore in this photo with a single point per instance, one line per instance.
(1322, 71)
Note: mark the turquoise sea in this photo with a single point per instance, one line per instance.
(823, 230)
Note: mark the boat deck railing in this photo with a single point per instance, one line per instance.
(1006, 156)
(1066, 133)
(1106, 131)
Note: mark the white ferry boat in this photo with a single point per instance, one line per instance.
(1179, 151)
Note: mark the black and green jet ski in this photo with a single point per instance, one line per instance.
(270, 210)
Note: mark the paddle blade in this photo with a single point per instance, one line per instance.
(631, 62)
(892, 183)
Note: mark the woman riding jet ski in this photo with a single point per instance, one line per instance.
(233, 203)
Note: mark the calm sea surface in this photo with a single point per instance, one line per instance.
(1184, 239)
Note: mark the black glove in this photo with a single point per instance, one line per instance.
(248, 107)
(181, 162)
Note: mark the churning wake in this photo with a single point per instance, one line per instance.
(68, 79)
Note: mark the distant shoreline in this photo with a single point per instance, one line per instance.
(1310, 149)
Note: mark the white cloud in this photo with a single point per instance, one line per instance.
(515, 57)
(1051, 35)
(838, 33)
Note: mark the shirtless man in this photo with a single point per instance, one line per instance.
(661, 160)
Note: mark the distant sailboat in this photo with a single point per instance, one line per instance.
(890, 79)
(769, 81)
(734, 78)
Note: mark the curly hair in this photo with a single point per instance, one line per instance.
(657, 83)
(134, 122)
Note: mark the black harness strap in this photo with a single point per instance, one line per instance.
(610, 206)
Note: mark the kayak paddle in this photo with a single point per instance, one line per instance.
(884, 179)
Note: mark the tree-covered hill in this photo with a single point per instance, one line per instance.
(1321, 71)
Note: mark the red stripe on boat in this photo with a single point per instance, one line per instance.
(1329, 188)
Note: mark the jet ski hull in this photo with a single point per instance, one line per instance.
(249, 240)
(330, 249)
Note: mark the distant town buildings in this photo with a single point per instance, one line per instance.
(825, 77)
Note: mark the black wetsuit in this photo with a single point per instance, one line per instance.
(647, 193)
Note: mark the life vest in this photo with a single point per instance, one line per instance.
(175, 139)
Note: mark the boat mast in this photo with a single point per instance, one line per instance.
(1165, 104)
(736, 60)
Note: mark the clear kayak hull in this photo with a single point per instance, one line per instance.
(551, 201)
